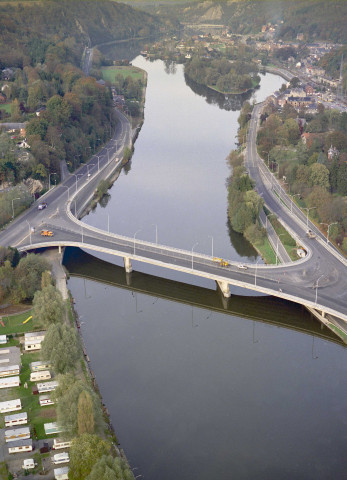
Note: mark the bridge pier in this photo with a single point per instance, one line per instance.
(224, 287)
(127, 265)
(59, 249)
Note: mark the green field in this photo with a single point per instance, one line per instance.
(14, 323)
(6, 107)
(109, 73)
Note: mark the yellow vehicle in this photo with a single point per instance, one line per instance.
(222, 263)
(46, 233)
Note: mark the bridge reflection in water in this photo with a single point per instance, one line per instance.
(267, 309)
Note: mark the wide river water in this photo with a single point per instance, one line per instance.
(196, 393)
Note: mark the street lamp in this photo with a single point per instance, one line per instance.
(255, 275)
(308, 209)
(98, 157)
(13, 206)
(29, 230)
(156, 232)
(77, 175)
(278, 237)
(135, 237)
(291, 205)
(211, 237)
(90, 165)
(195, 244)
(108, 153)
(49, 180)
(68, 191)
(329, 225)
(317, 288)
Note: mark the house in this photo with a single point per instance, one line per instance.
(16, 419)
(9, 382)
(22, 433)
(58, 443)
(23, 144)
(41, 375)
(45, 400)
(309, 138)
(9, 370)
(37, 366)
(7, 73)
(60, 458)
(52, 428)
(46, 387)
(309, 90)
(21, 446)
(3, 339)
(61, 473)
(298, 102)
(10, 405)
(40, 111)
(28, 464)
(332, 153)
(32, 340)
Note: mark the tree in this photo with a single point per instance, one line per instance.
(46, 279)
(85, 451)
(85, 415)
(319, 175)
(109, 468)
(61, 348)
(28, 275)
(48, 306)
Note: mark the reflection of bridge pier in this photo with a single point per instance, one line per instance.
(127, 265)
(224, 288)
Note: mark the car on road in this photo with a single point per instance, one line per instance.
(46, 233)
(241, 266)
(42, 206)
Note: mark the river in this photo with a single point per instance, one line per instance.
(194, 393)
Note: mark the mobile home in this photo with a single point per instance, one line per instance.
(9, 370)
(10, 406)
(16, 419)
(28, 464)
(61, 473)
(45, 400)
(39, 376)
(3, 339)
(46, 387)
(60, 458)
(38, 366)
(20, 446)
(32, 340)
(52, 428)
(9, 382)
(59, 443)
(22, 433)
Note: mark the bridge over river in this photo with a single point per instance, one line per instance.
(318, 281)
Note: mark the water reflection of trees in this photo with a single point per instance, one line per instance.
(225, 102)
(240, 244)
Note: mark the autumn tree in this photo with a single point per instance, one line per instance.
(85, 452)
(48, 306)
(110, 468)
(85, 413)
(61, 348)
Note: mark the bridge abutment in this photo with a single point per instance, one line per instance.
(127, 265)
(224, 287)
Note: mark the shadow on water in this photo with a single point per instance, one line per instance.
(271, 310)
(242, 246)
(225, 102)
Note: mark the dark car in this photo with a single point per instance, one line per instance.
(42, 206)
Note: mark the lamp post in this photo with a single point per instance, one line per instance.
(81, 228)
(49, 180)
(329, 225)
(156, 232)
(77, 175)
(291, 205)
(195, 244)
(108, 153)
(255, 275)
(317, 288)
(89, 165)
(278, 237)
(68, 191)
(308, 209)
(98, 157)
(29, 230)
(211, 237)
(135, 237)
(13, 206)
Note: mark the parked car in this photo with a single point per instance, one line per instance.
(242, 267)
(42, 206)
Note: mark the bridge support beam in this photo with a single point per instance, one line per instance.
(59, 249)
(127, 265)
(224, 287)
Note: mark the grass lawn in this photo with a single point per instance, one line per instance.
(14, 323)
(109, 73)
(267, 252)
(6, 107)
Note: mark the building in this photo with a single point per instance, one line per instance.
(52, 428)
(58, 443)
(3, 339)
(39, 376)
(9, 382)
(10, 356)
(60, 458)
(28, 464)
(32, 340)
(16, 419)
(46, 387)
(45, 400)
(332, 152)
(22, 433)
(61, 473)
(37, 366)
(21, 446)
(9, 370)
(10, 406)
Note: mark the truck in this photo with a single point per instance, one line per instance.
(310, 234)
(222, 263)
(46, 233)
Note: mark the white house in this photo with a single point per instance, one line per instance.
(22, 433)
(20, 446)
(61, 473)
(10, 406)
(16, 419)
(9, 382)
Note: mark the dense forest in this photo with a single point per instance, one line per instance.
(316, 19)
